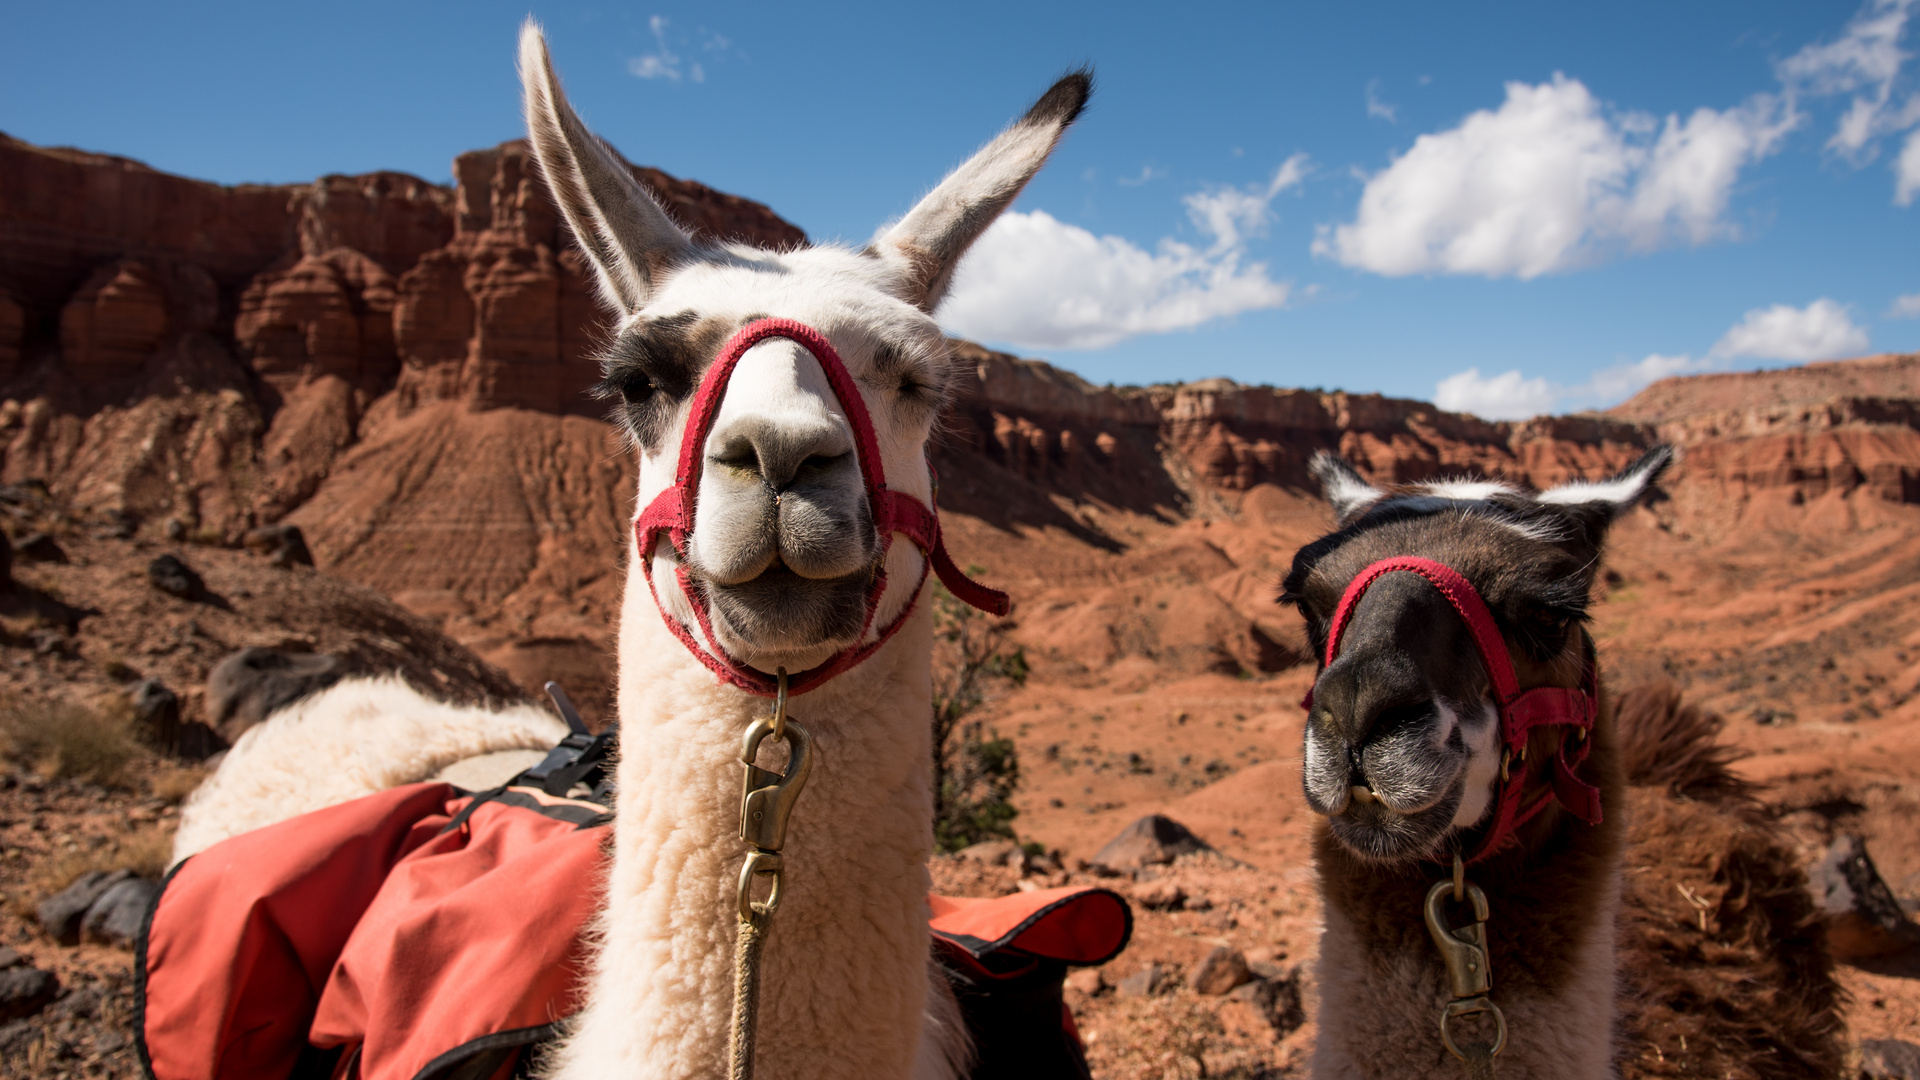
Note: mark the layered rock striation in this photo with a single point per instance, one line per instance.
(401, 369)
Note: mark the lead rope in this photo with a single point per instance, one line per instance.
(1469, 970)
(766, 801)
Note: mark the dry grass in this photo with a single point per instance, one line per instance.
(145, 851)
(172, 782)
(69, 739)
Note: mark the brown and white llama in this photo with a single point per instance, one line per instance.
(1405, 758)
(782, 551)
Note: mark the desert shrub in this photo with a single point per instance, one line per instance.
(68, 739)
(976, 771)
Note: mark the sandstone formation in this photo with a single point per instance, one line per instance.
(400, 369)
(186, 356)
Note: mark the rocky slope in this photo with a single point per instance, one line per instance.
(177, 351)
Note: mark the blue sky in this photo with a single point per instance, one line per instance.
(1510, 207)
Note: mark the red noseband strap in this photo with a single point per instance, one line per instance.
(672, 513)
(1520, 711)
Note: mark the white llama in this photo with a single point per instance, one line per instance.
(783, 548)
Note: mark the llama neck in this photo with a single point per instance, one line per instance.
(844, 973)
(1550, 933)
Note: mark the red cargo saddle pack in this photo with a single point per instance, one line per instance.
(426, 933)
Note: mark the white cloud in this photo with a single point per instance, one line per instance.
(1905, 307)
(663, 62)
(1864, 61)
(1504, 397)
(1820, 331)
(1610, 386)
(1232, 215)
(1513, 396)
(1823, 330)
(1380, 109)
(1906, 172)
(1147, 174)
(1034, 281)
(1551, 181)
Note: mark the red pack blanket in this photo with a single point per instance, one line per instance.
(426, 931)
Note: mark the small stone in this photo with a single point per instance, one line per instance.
(39, 547)
(1147, 982)
(175, 530)
(1160, 896)
(284, 545)
(1088, 981)
(8, 957)
(121, 524)
(24, 991)
(1265, 962)
(116, 918)
(1275, 1001)
(1863, 917)
(1889, 1059)
(1219, 971)
(60, 914)
(111, 1042)
(1153, 840)
(993, 852)
(157, 708)
(252, 684)
(170, 575)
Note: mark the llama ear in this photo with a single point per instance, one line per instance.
(625, 235)
(1593, 506)
(1343, 485)
(1615, 495)
(925, 246)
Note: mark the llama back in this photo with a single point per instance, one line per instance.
(1714, 909)
(353, 739)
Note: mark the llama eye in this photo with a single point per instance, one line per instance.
(636, 388)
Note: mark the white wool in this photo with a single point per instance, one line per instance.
(356, 738)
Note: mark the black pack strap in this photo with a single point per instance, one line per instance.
(579, 759)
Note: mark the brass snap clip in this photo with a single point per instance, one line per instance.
(1463, 950)
(767, 798)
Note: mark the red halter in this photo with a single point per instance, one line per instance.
(672, 512)
(1520, 712)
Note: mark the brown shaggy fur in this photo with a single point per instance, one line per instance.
(1724, 971)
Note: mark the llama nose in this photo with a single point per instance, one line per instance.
(783, 453)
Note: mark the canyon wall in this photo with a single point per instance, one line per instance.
(401, 369)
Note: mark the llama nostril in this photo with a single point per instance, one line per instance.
(740, 455)
(816, 466)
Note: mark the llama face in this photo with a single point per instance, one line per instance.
(783, 546)
(1402, 747)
